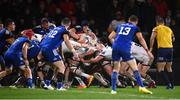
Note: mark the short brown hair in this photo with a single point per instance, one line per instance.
(133, 18)
(65, 21)
(159, 20)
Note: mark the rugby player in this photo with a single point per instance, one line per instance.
(122, 51)
(49, 52)
(16, 56)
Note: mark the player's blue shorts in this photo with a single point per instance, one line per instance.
(165, 55)
(14, 60)
(50, 55)
(33, 52)
(121, 52)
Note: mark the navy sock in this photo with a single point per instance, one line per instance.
(29, 82)
(113, 80)
(59, 85)
(48, 82)
(171, 78)
(138, 78)
(60, 78)
(165, 77)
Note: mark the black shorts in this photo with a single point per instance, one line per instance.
(165, 55)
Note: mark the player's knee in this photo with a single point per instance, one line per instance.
(78, 71)
(160, 69)
(169, 69)
(59, 66)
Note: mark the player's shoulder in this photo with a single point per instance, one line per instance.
(60, 27)
(23, 39)
(155, 29)
(61, 30)
(52, 26)
(3, 30)
(37, 27)
(168, 28)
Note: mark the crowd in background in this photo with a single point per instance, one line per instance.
(99, 13)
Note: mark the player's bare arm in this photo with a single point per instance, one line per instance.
(93, 60)
(141, 40)
(24, 51)
(67, 42)
(73, 34)
(152, 39)
(112, 36)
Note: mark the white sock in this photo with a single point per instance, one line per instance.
(85, 75)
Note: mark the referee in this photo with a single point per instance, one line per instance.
(164, 37)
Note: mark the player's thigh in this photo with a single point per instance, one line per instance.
(59, 65)
(124, 67)
(132, 63)
(161, 66)
(108, 68)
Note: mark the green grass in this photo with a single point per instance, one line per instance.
(88, 93)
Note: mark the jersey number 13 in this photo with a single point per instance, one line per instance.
(125, 30)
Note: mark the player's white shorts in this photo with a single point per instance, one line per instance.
(139, 53)
(107, 53)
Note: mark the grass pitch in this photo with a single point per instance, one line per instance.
(88, 93)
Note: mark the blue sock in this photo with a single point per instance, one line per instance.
(138, 78)
(48, 82)
(113, 80)
(59, 85)
(29, 82)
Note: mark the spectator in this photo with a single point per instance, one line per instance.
(130, 8)
(68, 8)
(52, 9)
(113, 8)
(168, 19)
(148, 16)
(161, 8)
(119, 19)
(82, 10)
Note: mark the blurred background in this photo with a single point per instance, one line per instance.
(100, 14)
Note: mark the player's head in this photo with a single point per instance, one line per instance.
(133, 19)
(28, 33)
(78, 29)
(85, 26)
(10, 25)
(159, 21)
(66, 22)
(45, 23)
